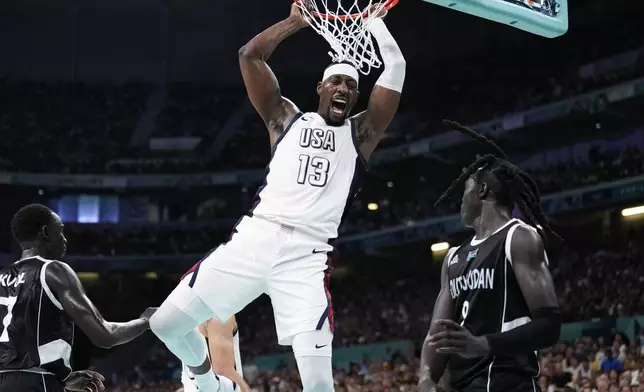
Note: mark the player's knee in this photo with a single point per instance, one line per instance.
(170, 323)
(157, 324)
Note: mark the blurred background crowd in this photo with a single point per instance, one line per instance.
(142, 139)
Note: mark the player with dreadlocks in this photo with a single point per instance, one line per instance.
(497, 303)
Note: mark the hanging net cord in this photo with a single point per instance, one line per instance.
(345, 30)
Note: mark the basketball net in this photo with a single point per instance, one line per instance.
(345, 30)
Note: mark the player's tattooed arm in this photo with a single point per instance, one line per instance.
(433, 364)
(67, 288)
(373, 122)
(261, 84)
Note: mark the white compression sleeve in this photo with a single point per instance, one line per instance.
(179, 333)
(393, 76)
(316, 373)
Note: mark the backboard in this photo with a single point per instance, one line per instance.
(548, 18)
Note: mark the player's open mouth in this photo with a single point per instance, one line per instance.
(338, 105)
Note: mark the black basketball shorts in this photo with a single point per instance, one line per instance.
(502, 382)
(29, 382)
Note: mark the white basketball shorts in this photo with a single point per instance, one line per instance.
(263, 257)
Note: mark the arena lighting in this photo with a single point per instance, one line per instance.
(151, 275)
(87, 275)
(440, 247)
(372, 206)
(632, 211)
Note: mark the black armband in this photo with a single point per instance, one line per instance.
(543, 331)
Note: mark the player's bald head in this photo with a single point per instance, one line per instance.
(29, 221)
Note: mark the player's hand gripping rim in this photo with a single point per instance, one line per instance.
(85, 381)
(376, 10)
(297, 16)
(456, 339)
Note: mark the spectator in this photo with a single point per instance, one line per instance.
(610, 364)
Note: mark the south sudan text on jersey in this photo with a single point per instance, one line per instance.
(476, 279)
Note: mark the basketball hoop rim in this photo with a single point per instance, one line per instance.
(389, 4)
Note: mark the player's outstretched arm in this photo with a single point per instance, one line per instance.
(385, 96)
(67, 288)
(260, 81)
(432, 364)
(531, 271)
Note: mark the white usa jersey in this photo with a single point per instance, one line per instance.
(313, 174)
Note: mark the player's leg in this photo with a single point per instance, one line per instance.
(223, 284)
(188, 380)
(303, 311)
(236, 381)
(175, 324)
(313, 354)
(239, 367)
(189, 383)
(225, 384)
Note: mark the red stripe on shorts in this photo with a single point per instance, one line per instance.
(191, 270)
(327, 281)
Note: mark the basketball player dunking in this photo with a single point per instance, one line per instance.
(223, 348)
(281, 247)
(41, 299)
(497, 303)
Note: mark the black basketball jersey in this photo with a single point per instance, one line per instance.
(36, 333)
(487, 299)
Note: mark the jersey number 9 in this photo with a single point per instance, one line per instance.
(464, 311)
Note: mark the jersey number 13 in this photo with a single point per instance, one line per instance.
(314, 170)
